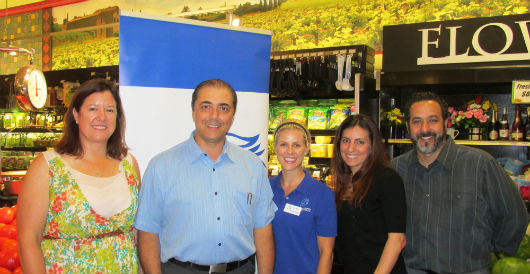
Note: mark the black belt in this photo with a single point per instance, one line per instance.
(216, 268)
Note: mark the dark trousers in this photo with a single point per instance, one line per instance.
(172, 268)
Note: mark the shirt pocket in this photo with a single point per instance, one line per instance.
(462, 200)
(243, 206)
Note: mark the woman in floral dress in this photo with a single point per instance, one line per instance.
(77, 202)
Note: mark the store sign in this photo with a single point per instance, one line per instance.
(162, 60)
(521, 92)
(475, 42)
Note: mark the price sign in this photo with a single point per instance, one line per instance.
(521, 92)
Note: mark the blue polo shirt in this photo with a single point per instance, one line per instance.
(205, 212)
(311, 212)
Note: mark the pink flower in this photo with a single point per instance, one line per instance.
(480, 111)
(451, 109)
(469, 114)
(525, 192)
(449, 124)
(483, 119)
(460, 113)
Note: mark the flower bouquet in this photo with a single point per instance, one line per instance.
(394, 122)
(471, 116)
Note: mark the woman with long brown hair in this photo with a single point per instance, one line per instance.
(370, 199)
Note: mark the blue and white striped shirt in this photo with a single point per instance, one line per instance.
(205, 212)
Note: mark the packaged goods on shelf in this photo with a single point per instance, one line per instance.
(317, 118)
(319, 150)
(277, 115)
(330, 150)
(317, 114)
(322, 140)
(270, 144)
(16, 160)
(22, 119)
(8, 120)
(337, 115)
(297, 113)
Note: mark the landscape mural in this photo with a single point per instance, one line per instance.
(86, 34)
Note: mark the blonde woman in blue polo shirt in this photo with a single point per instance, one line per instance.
(305, 224)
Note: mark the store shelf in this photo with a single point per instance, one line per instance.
(11, 171)
(32, 149)
(470, 142)
(322, 132)
(14, 172)
(319, 161)
(32, 129)
(318, 132)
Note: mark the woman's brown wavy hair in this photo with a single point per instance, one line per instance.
(70, 143)
(353, 188)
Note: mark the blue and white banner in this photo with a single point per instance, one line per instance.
(162, 59)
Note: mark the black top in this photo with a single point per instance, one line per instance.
(363, 231)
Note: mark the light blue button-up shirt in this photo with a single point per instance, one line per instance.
(205, 212)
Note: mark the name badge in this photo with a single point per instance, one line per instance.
(292, 209)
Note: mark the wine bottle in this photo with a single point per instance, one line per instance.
(493, 127)
(504, 128)
(527, 125)
(517, 126)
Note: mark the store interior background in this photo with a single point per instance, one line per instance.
(73, 34)
(75, 40)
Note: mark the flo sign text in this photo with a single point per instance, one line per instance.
(486, 41)
(483, 56)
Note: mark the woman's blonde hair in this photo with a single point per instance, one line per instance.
(292, 124)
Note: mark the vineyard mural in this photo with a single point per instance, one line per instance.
(304, 24)
(95, 46)
(86, 34)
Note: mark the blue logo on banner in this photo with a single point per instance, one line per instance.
(250, 143)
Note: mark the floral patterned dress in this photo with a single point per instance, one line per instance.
(73, 241)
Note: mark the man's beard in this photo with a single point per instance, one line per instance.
(438, 142)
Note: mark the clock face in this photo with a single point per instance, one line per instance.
(37, 89)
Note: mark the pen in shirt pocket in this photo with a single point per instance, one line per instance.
(249, 198)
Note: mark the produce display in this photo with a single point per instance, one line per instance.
(518, 263)
(9, 259)
(18, 160)
(29, 139)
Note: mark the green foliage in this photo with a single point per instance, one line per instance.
(303, 24)
(304, 4)
(248, 8)
(83, 53)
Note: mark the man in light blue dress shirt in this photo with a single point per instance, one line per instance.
(206, 204)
